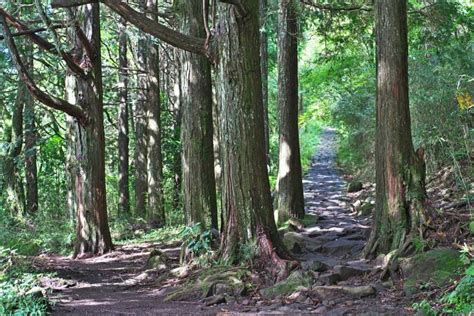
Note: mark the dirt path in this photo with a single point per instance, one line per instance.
(336, 240)
(119, 284)
(113, 284)
(338, 232)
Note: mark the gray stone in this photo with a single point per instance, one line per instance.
(301, 299)
(343, 246)
(436, 266)
(346, 272)
(329, 278)
(365, 209)
(157, 260)
(320, 310)
(214, 300)
(222, 289)
(354, 186)
(328, 292)
(295, 281)
(181, 272)
(314, 265)
(292, 238)
(35, 292)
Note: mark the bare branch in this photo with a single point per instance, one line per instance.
(81, 36)
(47, 22)
(147, 25)
(71, 3)
(86, 44)
(32, 31)
(38, 40)
(46, 99)
(42, 43)
(363, 7)
(327, 7)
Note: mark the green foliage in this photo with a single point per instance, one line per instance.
(20, 293)
(458, 301)
(34, 235)
(196, 241)
(310, 127)
(123, 233)
(461, 300)
(248, 252)
(424, 308)
(419, 244)
(311, 119)
(337, 76)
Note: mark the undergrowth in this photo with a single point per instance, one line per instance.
(125, 232)
(20, 291)
(30, 236)
(457, 299)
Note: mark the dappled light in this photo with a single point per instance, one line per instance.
(221, 157)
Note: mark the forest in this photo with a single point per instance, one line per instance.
(179, 157)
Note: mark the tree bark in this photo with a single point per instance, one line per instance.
(70, 136)
(199, 186)
(156, 210)
(290, 184)
(246, 189)
(263, 7)
(123, 127)
(13, 183)
(141, 136)
(400, 172)
(31, 171)
(176, 110)
(85, 90)
(93, 234)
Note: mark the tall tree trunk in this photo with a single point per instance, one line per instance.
(31, 171)
(70, 136)
(199, 186)
(400, 172)
(93, 234)
(6, 125)
(123, 129)
(141, 137)
(263, 7)
(290, 184)
(14, 183)
(176, 109)
(156, 210)
(245, 190)
(217, 153)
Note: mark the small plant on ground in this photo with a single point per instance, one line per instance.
(20, 291)
(197, 244)
(461, 299)
(424, 308)
(458, 300)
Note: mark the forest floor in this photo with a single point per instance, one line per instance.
(329, 247)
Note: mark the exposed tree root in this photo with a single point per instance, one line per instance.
(277, 260)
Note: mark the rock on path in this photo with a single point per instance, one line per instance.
(339, 233)
(330, 248)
